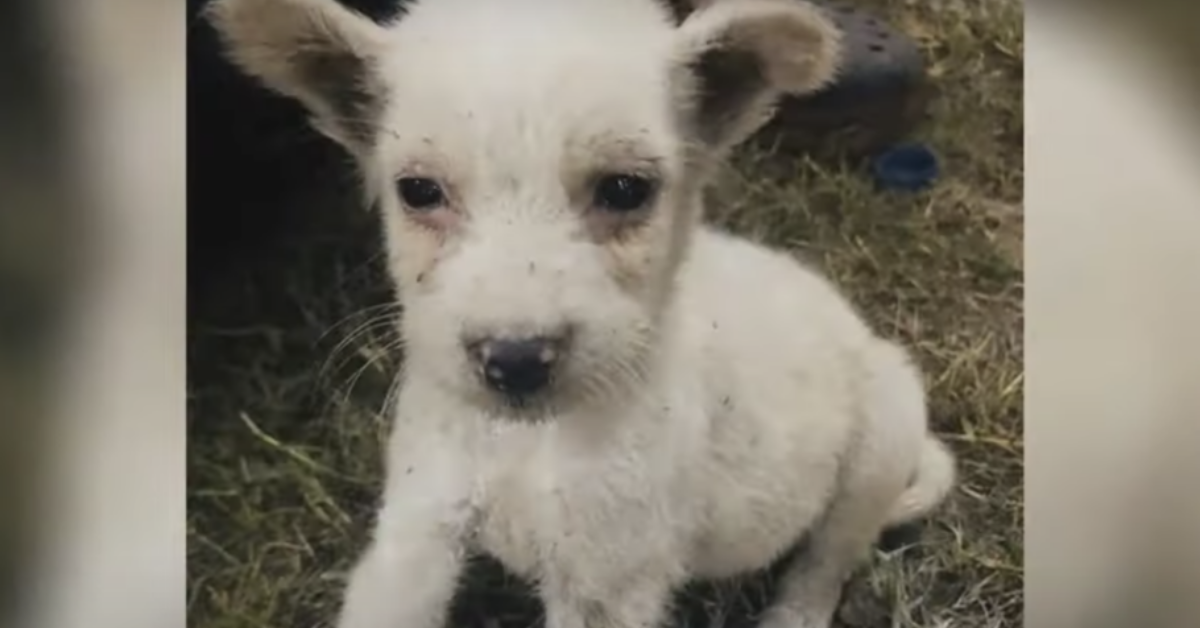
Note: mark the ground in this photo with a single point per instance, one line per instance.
(290, 364)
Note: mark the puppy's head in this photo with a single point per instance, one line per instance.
(538, 163)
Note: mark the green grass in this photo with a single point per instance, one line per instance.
(289, 370)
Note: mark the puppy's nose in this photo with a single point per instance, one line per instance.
(517, 367)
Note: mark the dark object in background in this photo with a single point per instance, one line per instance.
(906, 168)
(879, 96)
(254, 163)
(900, 536)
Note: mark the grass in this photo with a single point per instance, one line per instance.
(288, 372)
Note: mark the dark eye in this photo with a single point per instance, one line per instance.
(420, 194)
(623, 192)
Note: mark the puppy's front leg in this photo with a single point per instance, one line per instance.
(407, 576)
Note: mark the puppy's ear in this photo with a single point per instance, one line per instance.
(315, 51)
(735, 58)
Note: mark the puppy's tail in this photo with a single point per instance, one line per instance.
(935, 476)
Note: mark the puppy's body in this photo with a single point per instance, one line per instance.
(767, 409)
(730, 452)
(607, 396)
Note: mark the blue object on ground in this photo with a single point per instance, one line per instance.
(908, 168)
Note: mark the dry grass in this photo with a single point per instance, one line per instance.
(284, 422)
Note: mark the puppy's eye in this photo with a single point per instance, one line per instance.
(421, 194)
(623, 192)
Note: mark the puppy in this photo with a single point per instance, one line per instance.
(602, 393)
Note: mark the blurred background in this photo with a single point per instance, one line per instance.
(36, 212)
(98, 164)
(92, 296)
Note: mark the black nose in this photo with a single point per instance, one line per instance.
(517, 368)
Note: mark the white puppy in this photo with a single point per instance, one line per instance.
(602, 393)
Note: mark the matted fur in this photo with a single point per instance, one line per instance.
(713, 401)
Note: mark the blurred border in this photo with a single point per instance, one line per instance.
(111, 514)
(1113, 224)
(36, 268)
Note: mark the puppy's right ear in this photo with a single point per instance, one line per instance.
(315, 51)
(735, 58)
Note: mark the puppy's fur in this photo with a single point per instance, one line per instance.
(715, 402)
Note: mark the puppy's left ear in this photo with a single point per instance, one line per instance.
(736, 58)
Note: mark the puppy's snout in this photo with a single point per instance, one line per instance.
(517, 367)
